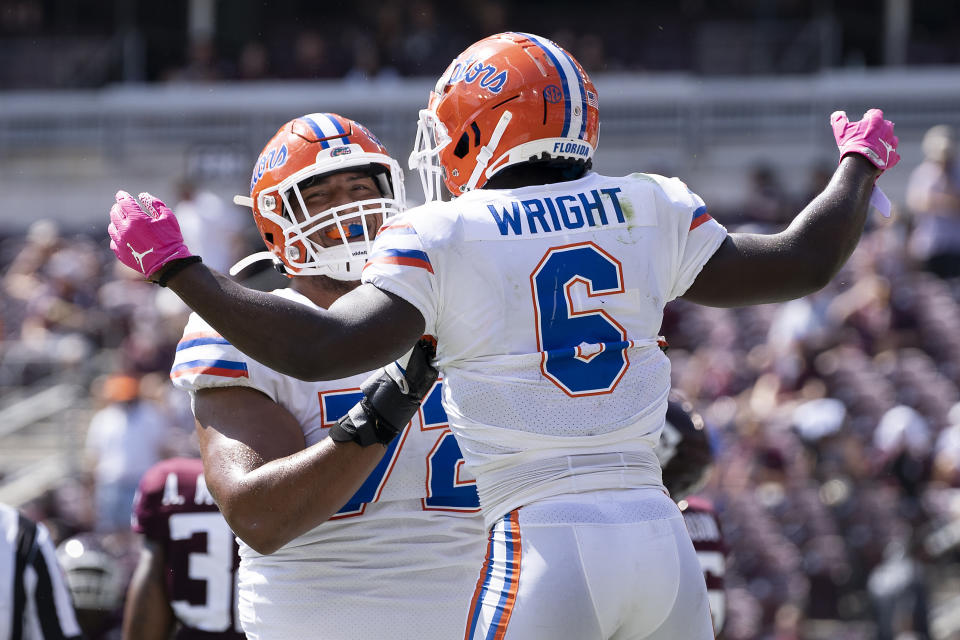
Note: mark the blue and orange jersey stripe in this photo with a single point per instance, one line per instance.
(699, 217)
(200, 338)
(483, 583)
(404, 257)
(512, 580)
(222, 368)
(396, 229)
(503, 557)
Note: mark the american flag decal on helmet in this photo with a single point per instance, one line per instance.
(592, 100)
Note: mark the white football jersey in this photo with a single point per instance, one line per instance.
(400, 560)
(546, 302)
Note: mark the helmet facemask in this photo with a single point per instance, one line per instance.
(94, 575)
(432, 138)
(336, 241)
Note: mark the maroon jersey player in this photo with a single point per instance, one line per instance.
(686, 458)
(704, 528)
(186, 576)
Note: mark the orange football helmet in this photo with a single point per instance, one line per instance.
(315, 145)
(509, 98)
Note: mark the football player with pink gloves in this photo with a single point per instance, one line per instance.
(544, 284)
(318, 480)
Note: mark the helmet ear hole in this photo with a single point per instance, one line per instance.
(463, 146)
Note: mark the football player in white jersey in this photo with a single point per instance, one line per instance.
(398, 557)
(544, 284)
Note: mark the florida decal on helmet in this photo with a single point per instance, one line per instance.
(334, 242)
(509, 98)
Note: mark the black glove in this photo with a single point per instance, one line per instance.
(390, 398)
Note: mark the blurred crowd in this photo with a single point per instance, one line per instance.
(69, 312)
(88, 44)
(835, 418)
(387, 40)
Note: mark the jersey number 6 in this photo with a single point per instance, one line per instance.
(584, 352)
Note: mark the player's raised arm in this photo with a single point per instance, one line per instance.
(363, 330)
(753, 268)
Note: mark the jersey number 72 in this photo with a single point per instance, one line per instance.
(444, 489)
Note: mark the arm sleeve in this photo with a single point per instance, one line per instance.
(401, 264)
(204, 359)
(694, 234)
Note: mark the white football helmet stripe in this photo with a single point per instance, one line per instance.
(578, 98)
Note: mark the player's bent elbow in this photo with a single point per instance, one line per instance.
(819, 275)
(801, 285)
(266, 531)
(264, 548)
(803, 274)
(254, 529)
(259, 538)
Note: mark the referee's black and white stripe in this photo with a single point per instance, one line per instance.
(34, 601)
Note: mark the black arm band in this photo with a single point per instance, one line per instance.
(175, 267)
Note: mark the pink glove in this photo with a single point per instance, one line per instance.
(871, 137)
(145, 235)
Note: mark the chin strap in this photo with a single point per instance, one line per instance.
(486, 152)
(243, 263)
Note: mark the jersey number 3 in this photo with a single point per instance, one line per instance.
(210, 568)
(584, 351)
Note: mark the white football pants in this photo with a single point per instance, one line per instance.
(604, 565)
